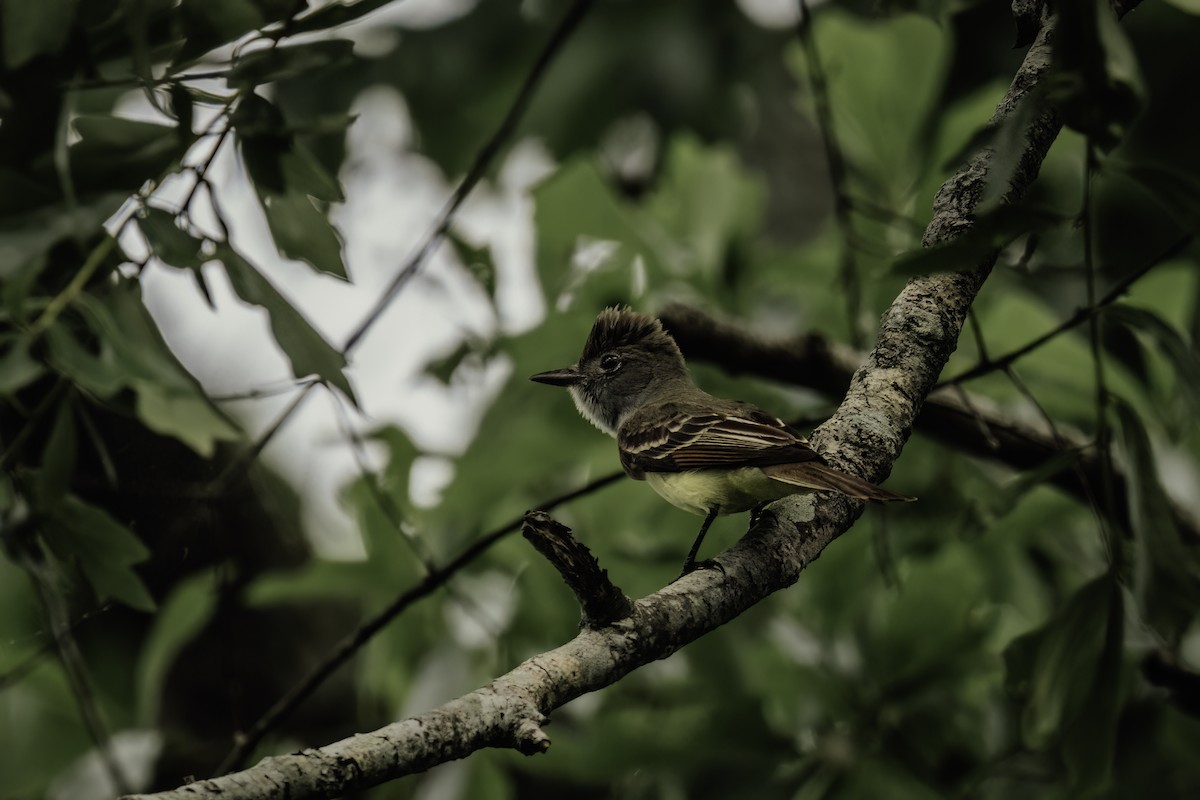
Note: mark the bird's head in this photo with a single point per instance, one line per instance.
(627, 357)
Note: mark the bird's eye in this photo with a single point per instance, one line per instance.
(609, 362)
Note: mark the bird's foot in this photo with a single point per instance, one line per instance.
(691, 566)
(756, 514)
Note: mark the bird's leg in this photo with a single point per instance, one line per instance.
(756, 513)
(690, 564)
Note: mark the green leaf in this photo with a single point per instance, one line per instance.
(18, 285)
(1185, 364)
(206, 98)
(1172, 187)
(99, 132)
(882, 133)
(1187, 6)
(335, 14)
(34, 28)
(302, 172)
(26, 236)
(264, 141)
(576, 209)
(58, 457)
(995, 505)
(175, 246)
(707, 200)
(1095, 84)
(115, 152)
(169, 242)
(104, 549)
(183, 108)
(102, 453)
(1089, 743)
(1054, 667)
(303, 233)
(137, 22)
(278, 163)
(255, 116)
(401, 454)
(443, 368)
(17, 368)
(306, 350)
(1167, 571)
(281, 63)
(96, 373)
(211, 23)
(119, 582)
(169, 400)
(477, 260)
(182, 615)
(990, 232)
(314, 581)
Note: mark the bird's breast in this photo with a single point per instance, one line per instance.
(734, 490)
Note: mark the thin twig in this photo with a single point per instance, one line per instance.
(480, 166)
(1081, 315)
(395, 517)
(836, 162)
(977, 333)
(23, 668)
(74, 666)
(872, 210)
(49, 401)
(478, 169)
(374, 483)
(201, 170)
(73, 289)
(1083, 481)
(985, 430)
(238, 466)
(345, 650)
(1103, 432)
(259, 394)
(134, 81)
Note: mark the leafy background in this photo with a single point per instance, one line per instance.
(203, 201)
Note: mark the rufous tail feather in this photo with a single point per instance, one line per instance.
(812, 475)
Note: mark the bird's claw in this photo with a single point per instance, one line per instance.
(709, 563)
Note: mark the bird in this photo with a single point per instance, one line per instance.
(704, 454)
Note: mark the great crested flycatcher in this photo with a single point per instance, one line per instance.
(701, 453)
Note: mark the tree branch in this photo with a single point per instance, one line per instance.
(434, 579)
(600, 600)
(917, 335)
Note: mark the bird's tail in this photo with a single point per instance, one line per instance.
(813, 475)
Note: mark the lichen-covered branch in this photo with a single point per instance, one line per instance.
(600, 601)
(866, 434)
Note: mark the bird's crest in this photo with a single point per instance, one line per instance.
(622, 327)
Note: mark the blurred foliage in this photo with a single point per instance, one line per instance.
(990, 641)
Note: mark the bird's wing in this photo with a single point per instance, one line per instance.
(674, 439)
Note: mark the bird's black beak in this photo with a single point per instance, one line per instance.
(567, 376)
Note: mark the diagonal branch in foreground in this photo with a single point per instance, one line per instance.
(916, 337)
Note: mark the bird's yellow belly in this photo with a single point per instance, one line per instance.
(734, 490)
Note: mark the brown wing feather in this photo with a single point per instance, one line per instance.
(675, 439)
(824, 478)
